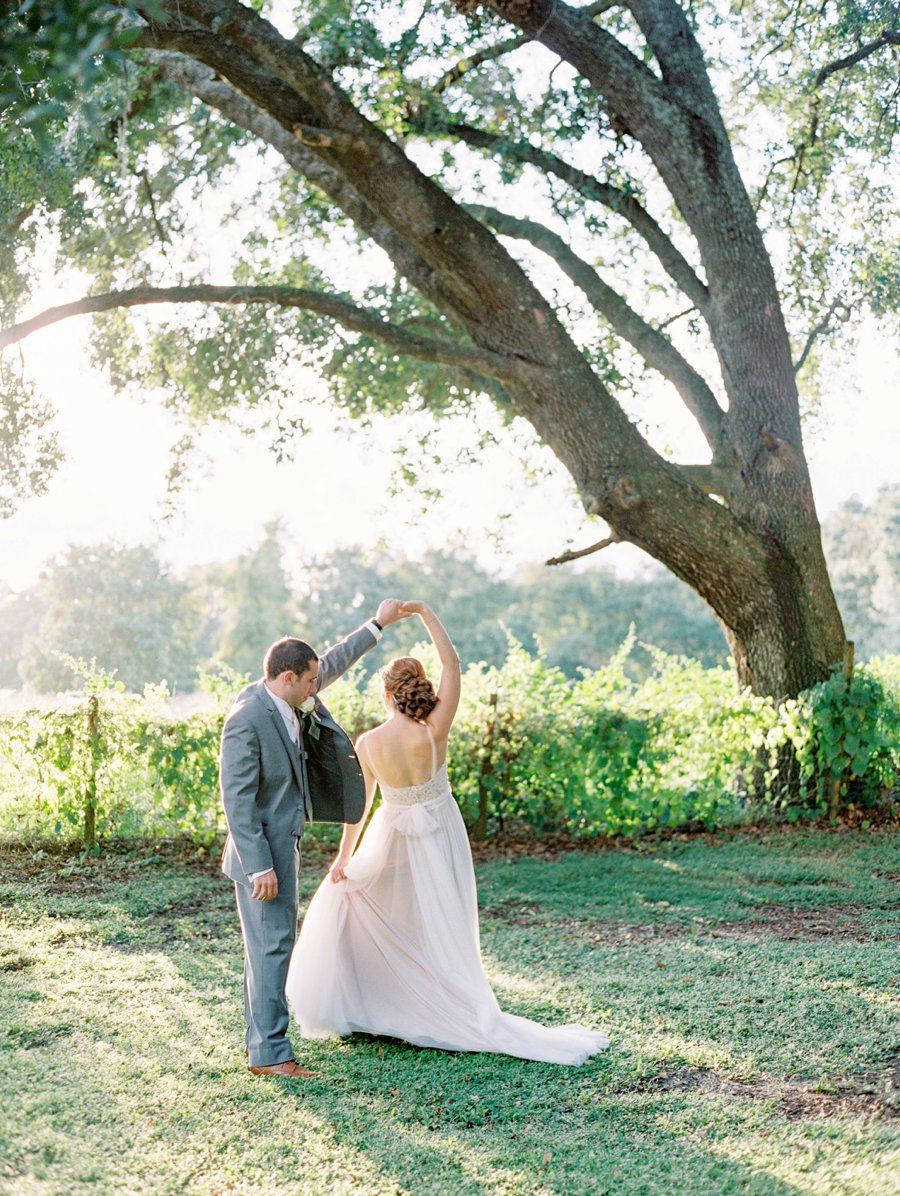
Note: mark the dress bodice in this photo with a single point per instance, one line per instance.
(432, 790)
(411, 795)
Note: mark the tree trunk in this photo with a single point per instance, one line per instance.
(758, 561)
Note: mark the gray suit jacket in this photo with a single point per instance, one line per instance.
(270, 789)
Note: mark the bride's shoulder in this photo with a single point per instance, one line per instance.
(363, 739)
(370, 737)
(373, 732)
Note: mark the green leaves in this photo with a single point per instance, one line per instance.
(55, 54)
(832, 122)
(29, 449)
(129, 172)
(140, 769)
(602, 755)
(844, 733)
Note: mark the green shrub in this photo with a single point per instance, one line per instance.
(602, 755)
(846, 738)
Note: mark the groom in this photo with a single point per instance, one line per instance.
(280, 768)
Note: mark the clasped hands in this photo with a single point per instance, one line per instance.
(391, 610)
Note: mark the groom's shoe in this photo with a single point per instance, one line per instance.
(289, 1068)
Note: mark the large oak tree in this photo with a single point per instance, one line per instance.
(560, 202)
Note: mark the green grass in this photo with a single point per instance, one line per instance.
(749, 984)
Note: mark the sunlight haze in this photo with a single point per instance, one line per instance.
(336, 490)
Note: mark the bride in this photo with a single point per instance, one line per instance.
(390, 942)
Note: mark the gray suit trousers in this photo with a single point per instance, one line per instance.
(270, 930)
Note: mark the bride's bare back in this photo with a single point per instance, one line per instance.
(390, 945)
(399, 752)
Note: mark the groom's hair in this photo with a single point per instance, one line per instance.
(288, 653)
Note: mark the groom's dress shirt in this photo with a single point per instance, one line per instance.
(288, 713)
(292, 722)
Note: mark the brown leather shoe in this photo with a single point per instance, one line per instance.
(289, 1068)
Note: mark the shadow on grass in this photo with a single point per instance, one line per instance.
(122, 1049)
(566, 1132)
(394, 1115)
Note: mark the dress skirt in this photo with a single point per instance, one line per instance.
(394, 949)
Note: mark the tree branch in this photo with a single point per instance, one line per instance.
(614, 198)
(709, 478)
(599, 7)
(820, 329)
(889, 37)
(676, 118)
(489, 53)
(151, 200)
(575, 554)
(656, 349)
(465, 269)
(9, 230)
(474, 280)
(674, 115)
(335, 139)
(499, 49)
(679, 315)
(358, 319)
(201, 82)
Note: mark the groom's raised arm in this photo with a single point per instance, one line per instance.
(340, 656)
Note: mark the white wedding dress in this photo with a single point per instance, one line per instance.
(394, 949)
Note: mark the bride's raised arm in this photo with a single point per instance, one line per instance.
(449, 686)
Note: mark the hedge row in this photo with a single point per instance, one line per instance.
(602, 755)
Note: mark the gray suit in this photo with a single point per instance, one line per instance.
(270, 790)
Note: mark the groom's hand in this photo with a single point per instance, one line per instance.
(265, 887)
(390, 611)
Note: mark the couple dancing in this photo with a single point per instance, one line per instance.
(390, 943)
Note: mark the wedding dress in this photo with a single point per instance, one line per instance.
(394, 949)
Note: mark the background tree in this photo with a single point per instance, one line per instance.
(863, 548)
(340, 590)
(581, 619)
(246, 604)
(230, 613)
(439, 136)
(116, 605)
(20, 615)
(578, 619)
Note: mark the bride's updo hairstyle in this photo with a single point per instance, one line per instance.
(405, 683)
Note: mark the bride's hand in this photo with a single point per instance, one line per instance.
(414, 607)
(389, 611)
(336, 871)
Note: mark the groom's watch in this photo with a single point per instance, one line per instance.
(375, 623)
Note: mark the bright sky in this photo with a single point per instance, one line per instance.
(335, 493)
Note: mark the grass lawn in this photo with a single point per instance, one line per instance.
(750, 985)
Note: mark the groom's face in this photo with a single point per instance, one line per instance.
(302, 685)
